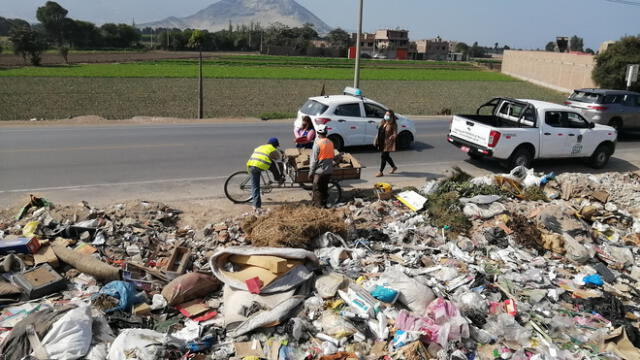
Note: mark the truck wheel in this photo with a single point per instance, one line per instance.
(617, 124)
(521, 157)
(404, 141)
(337, 141)
(600, 157)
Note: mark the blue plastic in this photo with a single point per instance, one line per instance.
(385, 294)
(593, 279)
(124, 291)
(545, 179)
(201, 345)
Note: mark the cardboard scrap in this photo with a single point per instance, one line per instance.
(275, 264)
(249, 348)
(601, 196)
(142, 309)
(85, 249)
(412, 200)
(192, 308)
(46, 255)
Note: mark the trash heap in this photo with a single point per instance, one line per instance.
(512, 266)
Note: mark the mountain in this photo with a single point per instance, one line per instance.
(243, 12)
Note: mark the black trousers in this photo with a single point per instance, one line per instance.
(321, 189)
(386, 158)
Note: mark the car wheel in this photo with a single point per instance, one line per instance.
(521, 157)
(404, 141)
(616, 124)
(337, 141)
(600, 157)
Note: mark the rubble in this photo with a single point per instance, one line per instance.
(512, 266)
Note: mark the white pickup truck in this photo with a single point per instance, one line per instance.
(518, 131)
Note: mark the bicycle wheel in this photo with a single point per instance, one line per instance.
(237, 188)
(335, 194)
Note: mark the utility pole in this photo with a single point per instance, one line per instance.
(200, 90)
(356, 78)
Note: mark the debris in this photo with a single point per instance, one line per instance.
(188, 287)
(19, 245)
(40, 281)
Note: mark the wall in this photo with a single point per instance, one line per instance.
(559, 71)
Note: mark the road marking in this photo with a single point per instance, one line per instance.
(147, 182)
(84, 148)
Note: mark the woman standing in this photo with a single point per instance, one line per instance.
(386, 141)
(305, 135)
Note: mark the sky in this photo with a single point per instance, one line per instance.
(517, 23)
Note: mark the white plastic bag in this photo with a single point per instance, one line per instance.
(413, 294)
(70, 336)
(141, 344)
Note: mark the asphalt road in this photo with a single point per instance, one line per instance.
(127, 161)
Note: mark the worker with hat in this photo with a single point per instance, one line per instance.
(263, 158)
(321, 166)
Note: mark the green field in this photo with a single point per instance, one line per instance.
(247, 86)
(182, 69)
(114, 98)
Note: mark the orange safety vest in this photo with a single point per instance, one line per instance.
(326, 149)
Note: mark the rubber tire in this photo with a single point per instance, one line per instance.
(600, 157)
(226, 190)
(404, 141)
(337, 141)
(618, 125)
(334, 186)
(520, 157)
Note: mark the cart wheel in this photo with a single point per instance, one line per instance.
(335, 193)
(305, 186)
(237, 188)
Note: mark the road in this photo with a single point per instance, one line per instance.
(188, 161)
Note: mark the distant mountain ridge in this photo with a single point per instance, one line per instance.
(244, 12)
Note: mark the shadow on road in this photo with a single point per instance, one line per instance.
(560, 166)
(417, 146)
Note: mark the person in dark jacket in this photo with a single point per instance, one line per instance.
(385, 142)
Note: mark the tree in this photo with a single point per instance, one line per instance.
(611, 65)
(339, 38)
(551, 46)
(52, 16)
(590, 51)
(577, 43)
(28, 43)
(7, 24)
(462, 48)
(476, 51)
(195, 42)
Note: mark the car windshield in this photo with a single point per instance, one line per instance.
(585, 97)
(313, 108)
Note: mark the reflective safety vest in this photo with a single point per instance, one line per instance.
(260, 157)
(326, 149)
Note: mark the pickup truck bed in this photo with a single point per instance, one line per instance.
(493, 121)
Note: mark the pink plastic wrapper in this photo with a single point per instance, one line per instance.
(440, 324)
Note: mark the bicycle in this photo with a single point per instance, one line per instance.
(237, 187)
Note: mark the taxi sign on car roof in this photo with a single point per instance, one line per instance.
(352, 91)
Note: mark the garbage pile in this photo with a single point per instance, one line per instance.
(512, 266)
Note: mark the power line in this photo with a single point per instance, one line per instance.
(624, 2)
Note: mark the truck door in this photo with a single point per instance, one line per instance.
(554, 138)
(351, 123)
(581, 141)
(374, 115)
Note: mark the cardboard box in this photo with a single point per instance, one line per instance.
(40, 281)
(142, 309)
(46, 256)
(179, 260)
(20, 245)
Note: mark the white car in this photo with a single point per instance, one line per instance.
(519, 131)
(352, 119)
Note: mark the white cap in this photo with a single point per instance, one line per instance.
(321, 129)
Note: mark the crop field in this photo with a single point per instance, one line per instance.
(121, 98)
(244, 86)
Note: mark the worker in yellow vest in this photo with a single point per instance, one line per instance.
(263, 158)
(321, 166)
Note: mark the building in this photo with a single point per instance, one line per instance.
(432, 49)
(605, 45)
(384, 44)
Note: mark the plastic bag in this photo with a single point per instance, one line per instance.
(576, 251)
(328, 285)
(335, 326)
(188, 287)
(141, 344)
(413, 294)
(125, 292)
(70, 336)
(483, 211)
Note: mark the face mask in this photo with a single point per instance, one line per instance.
(387, 117)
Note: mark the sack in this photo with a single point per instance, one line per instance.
(188, 287)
